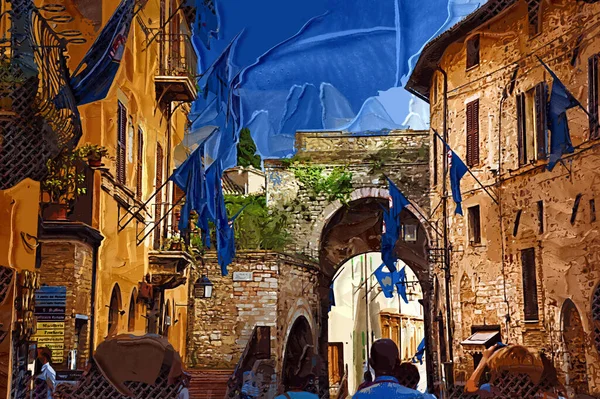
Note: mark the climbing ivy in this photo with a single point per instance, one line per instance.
(335, 185)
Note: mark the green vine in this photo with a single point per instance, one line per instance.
(335, 185)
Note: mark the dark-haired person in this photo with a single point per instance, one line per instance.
(48, 375)
(297, 386)
(385, 361)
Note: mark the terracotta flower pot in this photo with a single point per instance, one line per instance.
(175, 246)
(56, 212)
(95, 162)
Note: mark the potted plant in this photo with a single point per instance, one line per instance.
(174, 243)
(94, 154)
(63, 184)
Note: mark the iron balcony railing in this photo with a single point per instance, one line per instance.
(178, 55)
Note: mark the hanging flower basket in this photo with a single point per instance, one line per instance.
(94, 154)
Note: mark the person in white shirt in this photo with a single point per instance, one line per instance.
(48, 375)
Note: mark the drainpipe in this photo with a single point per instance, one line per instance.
(500, 210)
(450, 376)
(92, 326)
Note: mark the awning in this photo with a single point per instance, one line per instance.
(482, 340)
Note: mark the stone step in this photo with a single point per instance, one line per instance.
(209, 383)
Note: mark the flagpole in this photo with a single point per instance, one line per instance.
(468, 170)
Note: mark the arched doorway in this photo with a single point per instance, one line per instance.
(299, 348)
(114, 310)
(574, 341)
(354, 229)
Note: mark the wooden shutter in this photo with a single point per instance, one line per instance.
(473, 133)
(593, 95)
(521, 129)
(336, 362)
(121, 143)
(158, 200)
(140, 164)
(530, 295)
(541, 124)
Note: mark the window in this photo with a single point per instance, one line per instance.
(473, 133)
(592, 211)
(593, 102)
(474, 225)
(534, 8)
(139, 164)
(114, 310)
(158, 200)
(336, 362)
(390, 327)
(530, 295)
(575, 208)
(435, 90)
(540, 211)
(121, 143)
(532, 131)
(473, 51)
(131, 316)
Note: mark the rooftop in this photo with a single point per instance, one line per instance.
(420, 80)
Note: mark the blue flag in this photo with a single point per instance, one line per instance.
(219, 76)
(385, 280)
(561, 100)
(420, 352)
(457, 171)
(391, 226)
(225, 233)
(207, 21)
(95, 74)
(401, 283)
(189, 176)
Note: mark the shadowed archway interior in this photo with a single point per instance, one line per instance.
(299, 349)
(355, 229)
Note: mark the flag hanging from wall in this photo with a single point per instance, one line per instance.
(561, 100)
(401, 283)
(458, 169)
(97, 70)
(189, 177)
(391, 226)
(385, 280)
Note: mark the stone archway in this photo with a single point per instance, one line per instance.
(355, 229)
(299, 348)
(574, 341)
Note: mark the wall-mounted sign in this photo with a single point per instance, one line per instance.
(50, 310)
(242, 276)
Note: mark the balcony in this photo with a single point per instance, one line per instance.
(176, 75)
(168, 264)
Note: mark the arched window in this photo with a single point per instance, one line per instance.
(596, 316)
(114, 310)
(132, 315)
(167, 319)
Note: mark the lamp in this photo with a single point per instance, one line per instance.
(203, 287)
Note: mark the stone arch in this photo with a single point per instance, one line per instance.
(299, 348)
(114, 310)
(574, 340)
(351, 229)
(358, 194)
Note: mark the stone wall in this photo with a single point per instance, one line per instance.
(281, 289)
(487, 285)
(68, 262)
(401, 155)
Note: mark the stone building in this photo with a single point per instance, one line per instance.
(524, 258)
(114, 256)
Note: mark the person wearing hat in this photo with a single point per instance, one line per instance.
(47, 375)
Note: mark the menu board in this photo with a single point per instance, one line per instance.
(50, 310)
